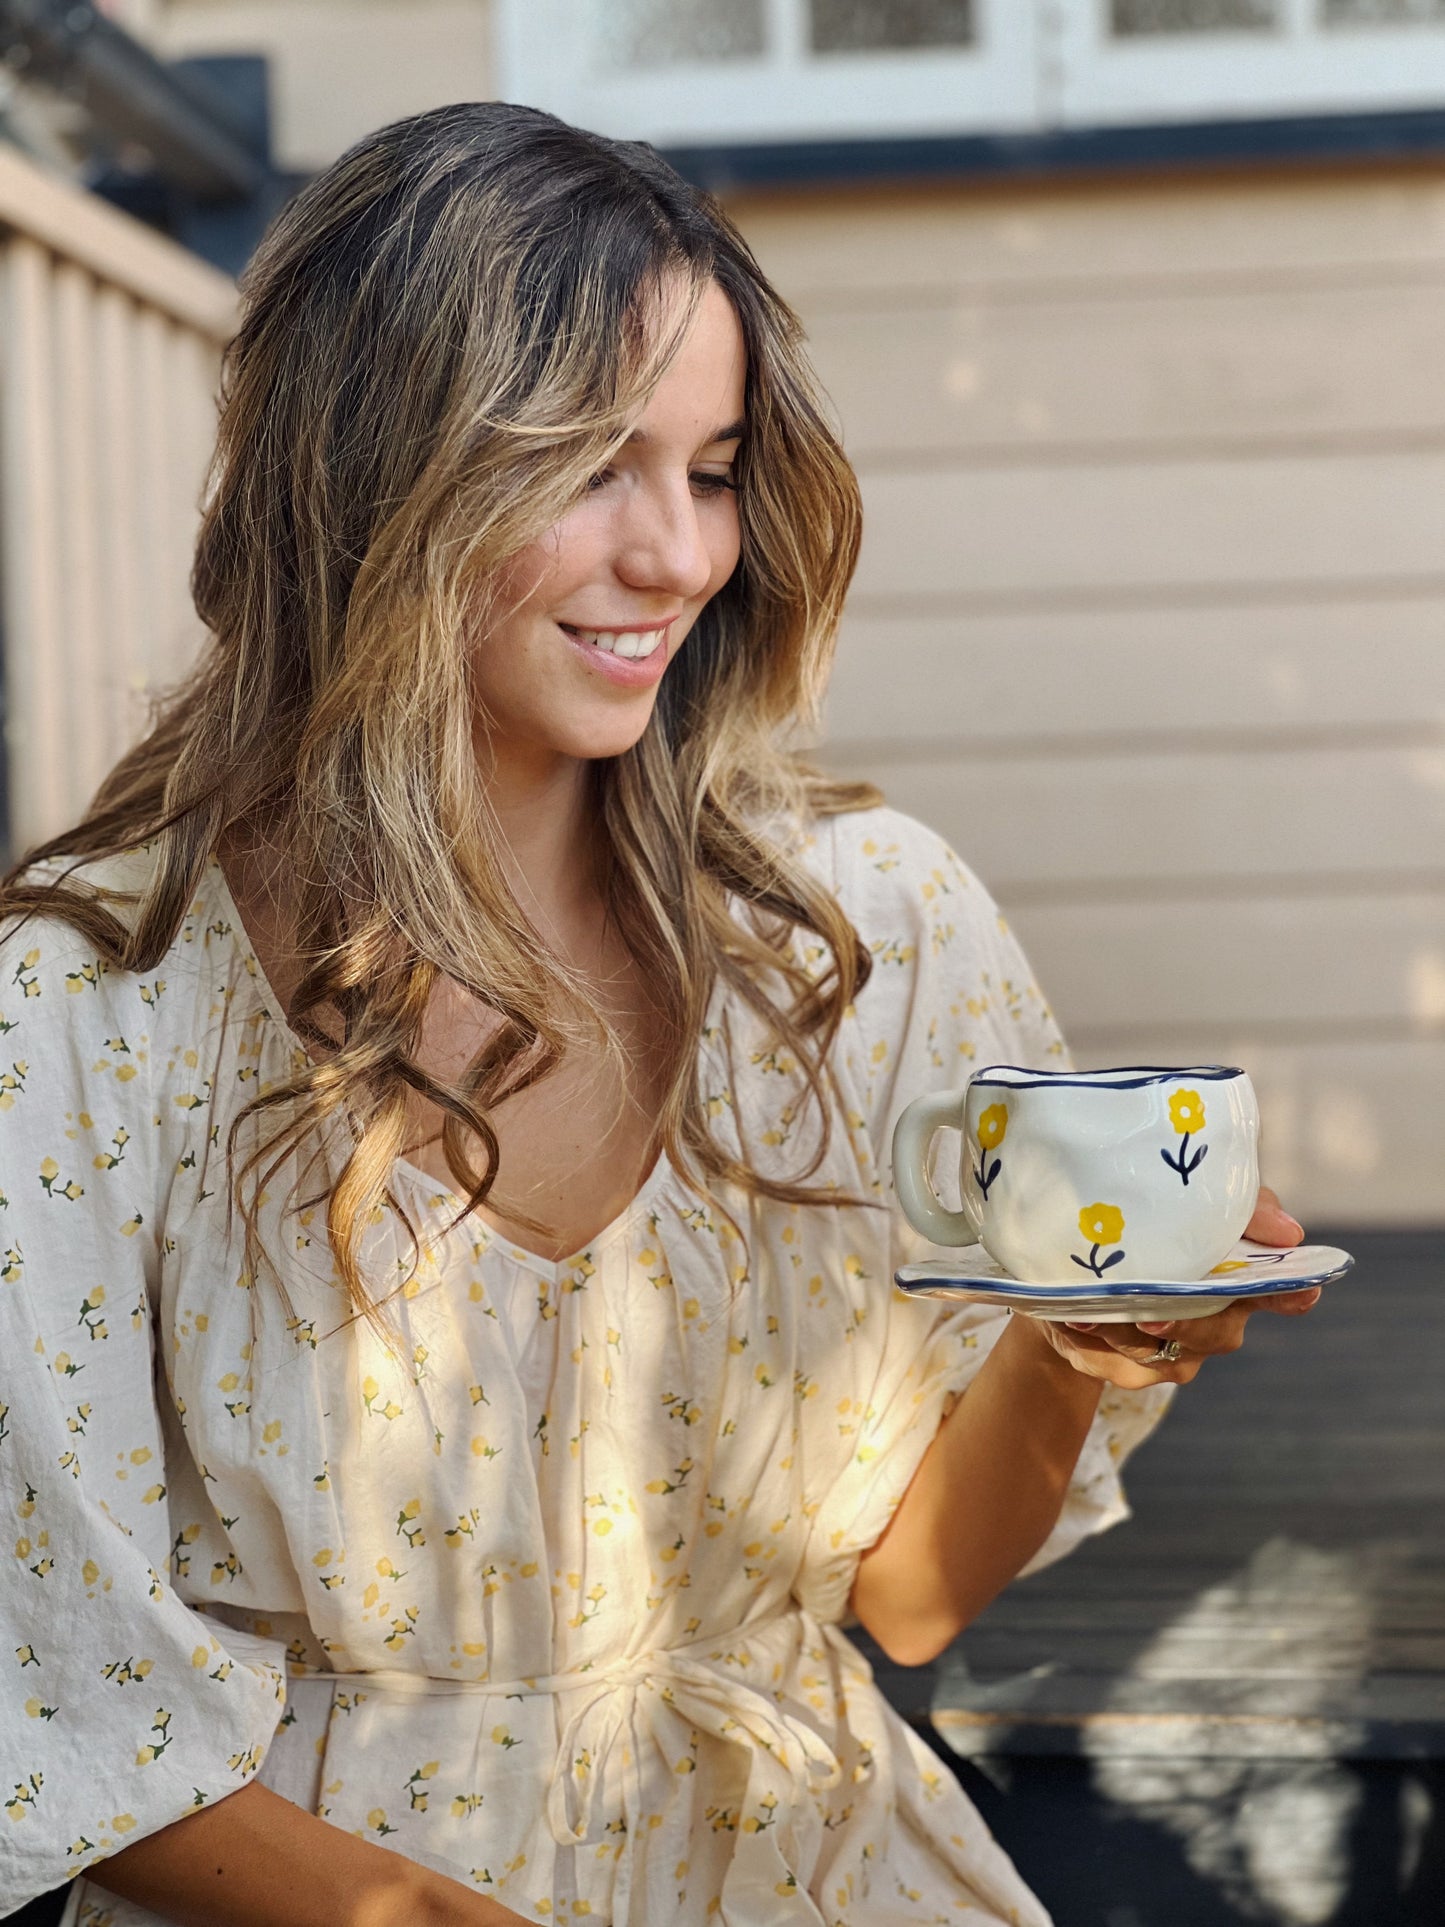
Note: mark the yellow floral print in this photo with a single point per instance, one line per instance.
(1102, 1224)
(578, 1537)
(1186, 1114)
(992, 1126)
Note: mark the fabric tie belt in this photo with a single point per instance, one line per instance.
(705, 1683)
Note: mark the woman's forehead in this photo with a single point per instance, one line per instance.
(706, 372)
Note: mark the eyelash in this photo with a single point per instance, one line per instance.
(713, 484)
(703, 484)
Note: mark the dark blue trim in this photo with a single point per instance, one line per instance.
(1281, 140)
(1130, 1077)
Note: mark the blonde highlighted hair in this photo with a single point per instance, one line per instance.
(443, 337)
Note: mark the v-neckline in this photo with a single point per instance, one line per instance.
(436, 1197)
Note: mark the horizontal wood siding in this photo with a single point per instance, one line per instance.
(1270, 672)
(1150, 619)
(1059, 826)
(338, 68)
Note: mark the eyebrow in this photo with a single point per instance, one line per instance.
(732, 432)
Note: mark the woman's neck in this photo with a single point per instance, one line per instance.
(552, 844)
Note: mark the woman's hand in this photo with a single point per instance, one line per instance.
(1121, 1354)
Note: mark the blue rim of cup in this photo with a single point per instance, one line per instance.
(1124, 1077)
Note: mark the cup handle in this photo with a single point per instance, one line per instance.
(912, 1141)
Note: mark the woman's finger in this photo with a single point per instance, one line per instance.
(1272, 1224)
(1197, 1337)
(1107, 1359)
(1292, 1304)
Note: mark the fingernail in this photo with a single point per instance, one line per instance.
(1154, 1328)
(1074, 1326)
(1294, 1223)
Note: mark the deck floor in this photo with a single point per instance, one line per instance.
(1242, 1691)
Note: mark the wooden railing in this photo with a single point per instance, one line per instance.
(110, 339)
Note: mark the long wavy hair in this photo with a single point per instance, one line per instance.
(443, 338)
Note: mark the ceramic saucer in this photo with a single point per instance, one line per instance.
(1250, 1271)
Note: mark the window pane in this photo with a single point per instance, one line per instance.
(855, 26)
(1191, 16)
(1388, 13)
(657, 33)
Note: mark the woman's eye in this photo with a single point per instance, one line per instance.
(704, 482)
(600, 480)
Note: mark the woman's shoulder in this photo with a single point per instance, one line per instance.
(894, 876)
(57, 978)
(950, 988)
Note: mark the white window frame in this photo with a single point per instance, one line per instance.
(1301, 67)
(1038, 66)
(547, 58)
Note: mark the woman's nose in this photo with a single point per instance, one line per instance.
(663, 545)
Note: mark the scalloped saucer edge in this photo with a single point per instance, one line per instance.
(1249, 1271)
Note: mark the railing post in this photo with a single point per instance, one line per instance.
(32, 535)
(109, 341)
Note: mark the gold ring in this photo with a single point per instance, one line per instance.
(1168, 1354)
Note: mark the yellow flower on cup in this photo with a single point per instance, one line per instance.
(1186, 1114)
(992, 1126)
(1101, 1224)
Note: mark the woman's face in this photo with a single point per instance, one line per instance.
(604, 600)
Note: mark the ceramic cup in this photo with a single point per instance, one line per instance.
(1068, 1175)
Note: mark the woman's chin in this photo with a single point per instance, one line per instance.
(614, 742)
(596, 738)
(612, 729)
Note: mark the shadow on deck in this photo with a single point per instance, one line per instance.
(1232, 1709)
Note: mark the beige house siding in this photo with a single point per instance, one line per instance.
(1151, 615)
(339, 68)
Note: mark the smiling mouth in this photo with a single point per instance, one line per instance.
(631, 644)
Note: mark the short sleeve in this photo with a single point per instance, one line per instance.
(950, 992)
(121, 1709)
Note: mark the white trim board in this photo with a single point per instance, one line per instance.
(1036, 65)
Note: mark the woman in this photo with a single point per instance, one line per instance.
(463, 904)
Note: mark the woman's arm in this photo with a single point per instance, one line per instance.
(983, 1500)
(992, 1484)
(255, 1860)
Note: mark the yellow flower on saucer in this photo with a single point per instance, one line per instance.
(1102, 1224)
(992, 1126)
(1186, 1112)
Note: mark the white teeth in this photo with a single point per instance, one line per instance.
(632, 644)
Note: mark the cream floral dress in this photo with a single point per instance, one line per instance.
(549, 1594)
